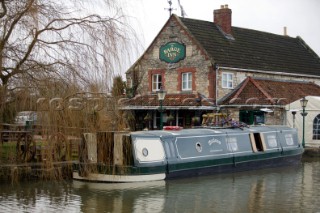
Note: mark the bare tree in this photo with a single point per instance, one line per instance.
(61, 39)
(118, 86)
(73, 42)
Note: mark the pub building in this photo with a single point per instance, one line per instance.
(205, 67)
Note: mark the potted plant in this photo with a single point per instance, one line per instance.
(195, 120)
(170, 118)
(147, 119)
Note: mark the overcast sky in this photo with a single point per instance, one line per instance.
(301, 17)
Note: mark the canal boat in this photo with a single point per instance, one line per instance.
(175, 152)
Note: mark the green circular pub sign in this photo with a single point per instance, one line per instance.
(172, 52)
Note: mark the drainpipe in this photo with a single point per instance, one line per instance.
(216, 67)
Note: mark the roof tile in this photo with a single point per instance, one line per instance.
(254, 49)
(270, 92)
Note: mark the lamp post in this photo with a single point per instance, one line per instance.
(303, 103)
(161, 95)
(293, 112)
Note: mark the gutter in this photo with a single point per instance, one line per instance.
(199, 107)
(168, 107)
(252, 106)
(269, 72)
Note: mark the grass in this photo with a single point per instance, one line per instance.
(8, 151)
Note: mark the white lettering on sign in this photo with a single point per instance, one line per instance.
(172, 52)
(171, 49)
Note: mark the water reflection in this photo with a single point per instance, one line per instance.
(39, 197)
(127, 197)
(272, 190)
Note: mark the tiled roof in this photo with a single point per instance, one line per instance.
(269, 92)
(171, 100)
(256, 50)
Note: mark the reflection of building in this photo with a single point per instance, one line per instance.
(207, 66)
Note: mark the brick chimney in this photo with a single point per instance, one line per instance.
(222, 17)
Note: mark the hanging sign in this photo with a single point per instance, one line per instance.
(172, 52)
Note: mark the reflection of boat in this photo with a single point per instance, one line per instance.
(116, 187)
(126, 197)
(158, 155)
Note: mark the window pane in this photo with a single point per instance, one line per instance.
(190, 80)
(224, 83)
(159, 82)
(184, 85)
(316, 128)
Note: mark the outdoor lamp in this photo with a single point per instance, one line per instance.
(294, 112)
(161, 95)
(303, 103)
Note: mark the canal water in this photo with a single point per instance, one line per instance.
(272, 190)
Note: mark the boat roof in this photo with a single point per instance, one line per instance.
(209, 131)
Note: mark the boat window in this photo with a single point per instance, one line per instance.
(272, 141)
(145, 152)
(198, 147)
(232, 144)
(289, 139)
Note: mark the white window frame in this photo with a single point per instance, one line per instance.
(226, 80)
(316, 128)
(186, 83)
(156, 83)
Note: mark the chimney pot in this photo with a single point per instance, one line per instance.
(222, 7)
(225, 6)
(285, 31)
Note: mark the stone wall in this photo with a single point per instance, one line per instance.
(195, 59)
(198, 63)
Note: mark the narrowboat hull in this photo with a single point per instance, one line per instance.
(161, 155)
(240, 166)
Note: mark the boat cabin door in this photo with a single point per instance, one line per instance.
(257, 142)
